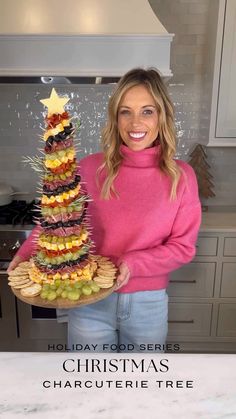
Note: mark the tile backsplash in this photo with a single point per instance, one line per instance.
(22, 121)
(21, 116)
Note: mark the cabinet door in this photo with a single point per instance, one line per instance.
(207, 246)
(228, 280)
(230, 246)
(227, 320)
(195, 279)
(226, 114)
(187, 319)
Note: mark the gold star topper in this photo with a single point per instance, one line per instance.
(54, 103)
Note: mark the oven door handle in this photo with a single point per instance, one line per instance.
(3, 272)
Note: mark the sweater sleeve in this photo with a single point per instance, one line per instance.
(179, 248)
(29, 246)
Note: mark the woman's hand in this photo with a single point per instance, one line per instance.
(123, 276)
(14, 263)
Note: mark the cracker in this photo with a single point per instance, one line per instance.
(31, 291)
(104, 259)
(107, 268)
(103, 282)
(94, 257)
(25, 264)
(107, 264)
(19, 281)
(18, 272)
(106, 274)
(20, 286)
(103, 285)
(18, 277)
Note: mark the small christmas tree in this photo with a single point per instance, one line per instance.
(62, 263)
(62, 266)
(201, 168)
(63, 246)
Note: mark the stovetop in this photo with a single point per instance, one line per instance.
(18, 213)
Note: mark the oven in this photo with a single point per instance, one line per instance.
(23, 327)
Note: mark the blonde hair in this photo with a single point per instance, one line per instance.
(111, 139)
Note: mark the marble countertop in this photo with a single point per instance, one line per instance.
(22, 393)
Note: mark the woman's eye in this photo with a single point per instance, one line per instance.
(148, 112)
(124, 112)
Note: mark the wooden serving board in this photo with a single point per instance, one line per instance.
(63, 302)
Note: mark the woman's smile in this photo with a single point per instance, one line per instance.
(137, 136)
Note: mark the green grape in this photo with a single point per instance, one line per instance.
(67, 282)
(78, 284)
(64, 294)
(59, 291)
(53, 287)
(59, 259)
(44, 295)
(94, 287)
(74, 295)
(46, 287)
(86, 290)
(69, 288)
(67, 256)
(52, 295)
(47, 261)
(57, 282)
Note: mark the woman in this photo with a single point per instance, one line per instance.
(145, 213)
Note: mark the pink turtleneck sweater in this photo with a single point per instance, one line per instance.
(141, 227)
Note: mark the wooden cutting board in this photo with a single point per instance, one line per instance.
(63, 302)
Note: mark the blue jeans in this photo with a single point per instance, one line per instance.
(132, 322)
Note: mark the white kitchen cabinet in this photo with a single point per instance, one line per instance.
(194, 279)
(228, 280)
(223, 111)
(202, 296)
(227, 320)
(189, 319)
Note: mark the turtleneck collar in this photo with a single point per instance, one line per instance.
(143, 158)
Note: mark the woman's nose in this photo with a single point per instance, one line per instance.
(135, 118)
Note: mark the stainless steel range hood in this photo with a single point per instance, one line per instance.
(80, 38)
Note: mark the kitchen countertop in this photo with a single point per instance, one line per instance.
(22, 393)
(217, 218)
(17, 227)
